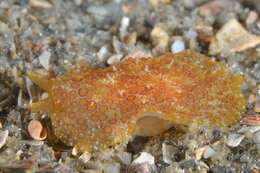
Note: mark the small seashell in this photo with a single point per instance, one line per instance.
(251, 120)
(36, 130)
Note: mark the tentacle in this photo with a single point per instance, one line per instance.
(42, 80)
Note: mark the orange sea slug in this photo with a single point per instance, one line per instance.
(96, 108)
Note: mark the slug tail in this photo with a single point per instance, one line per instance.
(42, 80)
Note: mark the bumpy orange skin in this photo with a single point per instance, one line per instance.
(93, 108)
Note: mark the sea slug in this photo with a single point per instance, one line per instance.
(97, 108)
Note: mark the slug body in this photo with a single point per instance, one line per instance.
(97, 108)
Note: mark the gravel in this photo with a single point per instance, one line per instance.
(56, 35)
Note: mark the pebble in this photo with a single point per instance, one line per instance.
(192, 144)
(177, 46)
(251, 99)
(111, 168)
(4, 28)
(124, 24)
(234, 139)
(114, 59)
(34, 143)
(144, 158)
(231, 38)
(188, 164)
(191, 34)
(205, 32)
(103, 54)
(78, 2)
(222, 169)
(85, 157)
(188, 3)
(202, 167)
(215, 135)
(209, 152)
(40, 4)
(142, 168)
(156, 3)
(199, 152)
(124, 157)
(167, 152)
(139, 54)
(160, 37)
(131, 39)
(252, 17)
(100, 12)
(257, 107)
(249, 129)
(44, 59)
(3, 137)
(118, 46)
(211, 8)
(174, 168)
(255, 170)
(216, 8)
(91, 171)
(74, 151)
(29, 85)
(20, 99)
(256, 137)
